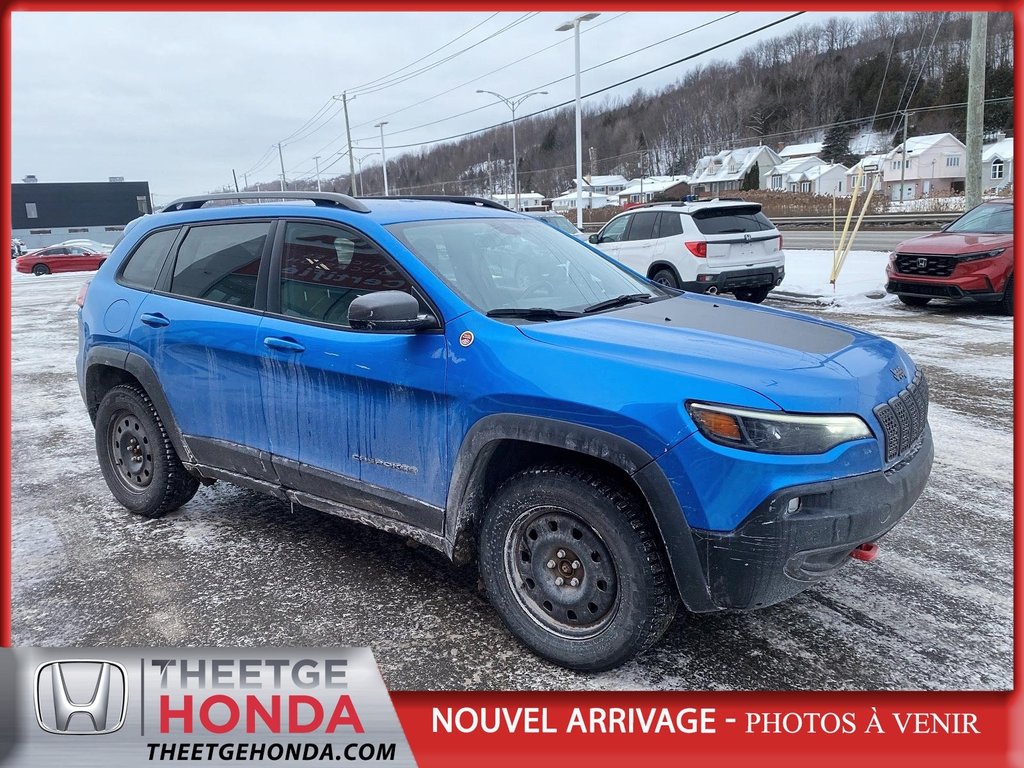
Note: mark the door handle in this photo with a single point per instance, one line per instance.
(155, 320)
(285, 345)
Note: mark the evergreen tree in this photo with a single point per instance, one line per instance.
(751, 179)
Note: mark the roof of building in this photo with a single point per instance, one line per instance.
(918, 144)
(869, 160)
(652, 184)
(711, 168)
(801, 150)
(1001, 149)
(797, 164)
(615, 180)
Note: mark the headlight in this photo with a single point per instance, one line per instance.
(982, 255)
(774, 432)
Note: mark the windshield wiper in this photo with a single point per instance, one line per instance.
(618, 301)
(534, 313)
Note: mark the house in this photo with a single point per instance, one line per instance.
(811, 175)
(997, 165)
(791, 151)
(47, 213)
(601, 185)
(567, 202)
(868, 167)
(778, 179)
(642, 190)
(726, 171)
(932, 165)
(528, 201)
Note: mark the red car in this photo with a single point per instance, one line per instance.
(970, 260)
(61, 258)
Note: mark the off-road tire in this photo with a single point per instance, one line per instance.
(1006, 303)
(40, 269)
(753, 295)
(625, 599)
(666, 277)
(914, 301)
(136, 456)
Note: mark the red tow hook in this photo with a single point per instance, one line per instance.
(866, 552)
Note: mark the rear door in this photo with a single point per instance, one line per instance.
(737, 236)
(197, 330)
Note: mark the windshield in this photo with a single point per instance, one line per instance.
(988, 219)
(517, 264)
(561, 223)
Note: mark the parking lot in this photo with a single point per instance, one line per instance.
(234, 568)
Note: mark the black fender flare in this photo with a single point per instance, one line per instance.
(143, 372)
(465, 500)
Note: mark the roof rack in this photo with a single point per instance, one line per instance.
(681, 203)
(481, 202)
(326, 199)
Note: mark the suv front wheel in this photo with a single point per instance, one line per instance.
(574, 568)
(137, 458)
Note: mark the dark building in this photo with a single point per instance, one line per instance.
(47, 213)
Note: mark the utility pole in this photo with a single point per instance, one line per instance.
(235, 177)
(975, 107)
(490, 183)
(593, 162)
(903, 165)
(348, 134)
(316, 159)
(280, 156)
(245, 178)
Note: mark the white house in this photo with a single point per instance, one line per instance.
(567, 202)
(801, 150)
(868, 167)
(528, 201)
(997, 165)
(825, 179)
(725, 172)
(932, 165)
(641, 190)
(602, 185)
(778, 178)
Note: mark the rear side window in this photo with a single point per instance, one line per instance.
(642, 227)
(728, 221)
(220, 262)
(143, 267)
(324, 268)
(670, 225)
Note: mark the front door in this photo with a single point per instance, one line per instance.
(356, 416)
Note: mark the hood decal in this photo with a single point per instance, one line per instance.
(741, 321)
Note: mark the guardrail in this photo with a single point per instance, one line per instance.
(881, 219)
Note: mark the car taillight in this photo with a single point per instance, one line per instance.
(80, 298)
(700, 250)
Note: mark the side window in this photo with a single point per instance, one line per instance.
(143, 267)
(643, 226)
(324, 268)
(615, 230)
(220, 262)
(670, 225)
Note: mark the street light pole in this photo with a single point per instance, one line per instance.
(316, 159)
(383, 156)
(575, 26)
(359, 162)
(513, 104)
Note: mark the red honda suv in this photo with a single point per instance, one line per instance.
(970, 260)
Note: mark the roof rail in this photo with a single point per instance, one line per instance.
(327, 199)
(481, 202)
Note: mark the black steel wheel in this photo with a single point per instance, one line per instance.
(40, 269)
(574, 567)
(136, 455)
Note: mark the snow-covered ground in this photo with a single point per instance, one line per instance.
(861, 280)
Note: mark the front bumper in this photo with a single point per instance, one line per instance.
(776, 554)
(942, 290)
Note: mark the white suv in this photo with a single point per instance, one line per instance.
(718, 246)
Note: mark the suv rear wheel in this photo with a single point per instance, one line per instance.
(574, 568)
(136, 455)
(665, 276)
(753, 295)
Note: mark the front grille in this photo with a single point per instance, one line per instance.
(925, 265)
(903, 418)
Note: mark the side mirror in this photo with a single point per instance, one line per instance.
(595, 239)
(388, 311)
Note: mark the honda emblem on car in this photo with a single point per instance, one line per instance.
(95, 691)
(922, 263)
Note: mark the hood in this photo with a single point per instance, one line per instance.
(952, 243)
(801, 364)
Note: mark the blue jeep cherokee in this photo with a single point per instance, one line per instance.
(451, 371)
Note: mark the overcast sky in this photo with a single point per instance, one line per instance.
(179, 99)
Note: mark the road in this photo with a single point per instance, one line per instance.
(864, 241)
(233, 568)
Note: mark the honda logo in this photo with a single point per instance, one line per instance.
(922, 263)
(81, 698)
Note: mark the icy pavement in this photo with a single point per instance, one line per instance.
(236, 568)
